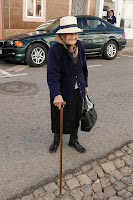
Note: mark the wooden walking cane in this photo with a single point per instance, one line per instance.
(61, 134)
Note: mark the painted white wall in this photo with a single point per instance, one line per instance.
(99, 8)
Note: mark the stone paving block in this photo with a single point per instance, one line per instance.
(108, 167)
(49, 196)
(110, 191)
(87, 190)
(97, 187)
(40, 198)
(84, 179)
(104, 182)
(119, 153)
(67, 197)
(127, 150)
(131, 198)
(18, 199)
(126, 180)
(88, 198)
(57, 192)
(112, 157)
(130, 188)
(28, 197)
(119, 163)
(119, 185)
(58, 182)
(126, 171)
(39, 192)
(78, 173)
(128, 159)
(85, 168)
(124, 194)
(100, 196)
(131, 175)
(99, 171)
(93, 175)
(66, 187)
(68, 176)
(116, 174)
(131, 146)
(51, 187)
(104, 160)
(77, 194)
(72, 183)
(116, 198)
(111, 178)
(93, 163)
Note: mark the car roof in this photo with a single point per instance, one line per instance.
(47, 23)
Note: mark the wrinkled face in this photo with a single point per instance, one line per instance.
(111, 13)
(71, 38)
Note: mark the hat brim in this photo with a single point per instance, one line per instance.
(69, 30)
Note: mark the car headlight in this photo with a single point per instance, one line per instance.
(18, 43)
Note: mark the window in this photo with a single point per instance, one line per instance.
(34, 8)
(94, 24)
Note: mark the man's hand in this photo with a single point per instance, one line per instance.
(86, 90)
(58, 100)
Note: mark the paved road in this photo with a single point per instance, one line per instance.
(25, 133)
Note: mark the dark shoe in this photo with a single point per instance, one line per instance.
(77, 146)
(53, 147)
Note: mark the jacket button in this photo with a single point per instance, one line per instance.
(80, 91)
(79, 83)
(76, 68)
(76, 76)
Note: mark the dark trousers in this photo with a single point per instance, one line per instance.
(73, 112)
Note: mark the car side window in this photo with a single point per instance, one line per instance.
(80, 22)
(95, 24)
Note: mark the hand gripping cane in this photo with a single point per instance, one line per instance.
(61, 134)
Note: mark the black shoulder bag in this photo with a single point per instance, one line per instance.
(88, 115)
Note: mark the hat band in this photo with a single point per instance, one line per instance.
(68, 26)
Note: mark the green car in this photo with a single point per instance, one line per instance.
(98, 37)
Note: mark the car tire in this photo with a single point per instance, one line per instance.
(110, 50)
(36, 55)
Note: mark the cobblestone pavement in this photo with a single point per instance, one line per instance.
(109, 178)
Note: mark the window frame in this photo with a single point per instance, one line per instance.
(34, 9)
(100, 20)
(34, 18)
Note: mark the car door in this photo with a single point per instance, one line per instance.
(95, 35)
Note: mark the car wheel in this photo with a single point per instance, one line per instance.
(110, 50)
(36, 55)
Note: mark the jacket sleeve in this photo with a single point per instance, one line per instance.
(85, 70)
(53, 73)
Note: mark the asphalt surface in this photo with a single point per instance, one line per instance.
(25, 136)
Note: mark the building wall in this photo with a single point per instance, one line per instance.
(92, 7)
(0, 19)
(54, 9)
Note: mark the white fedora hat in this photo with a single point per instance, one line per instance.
(68, 24)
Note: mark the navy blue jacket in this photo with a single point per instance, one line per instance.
(62, 73)
(112, 19)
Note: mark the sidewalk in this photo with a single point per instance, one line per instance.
(129, 47)
(109, 178)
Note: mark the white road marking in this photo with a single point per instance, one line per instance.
(5, 73)
(127, 56)
(94, 65)
(12, 75)
(17, 68)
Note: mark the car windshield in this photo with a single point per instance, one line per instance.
(49, 26)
